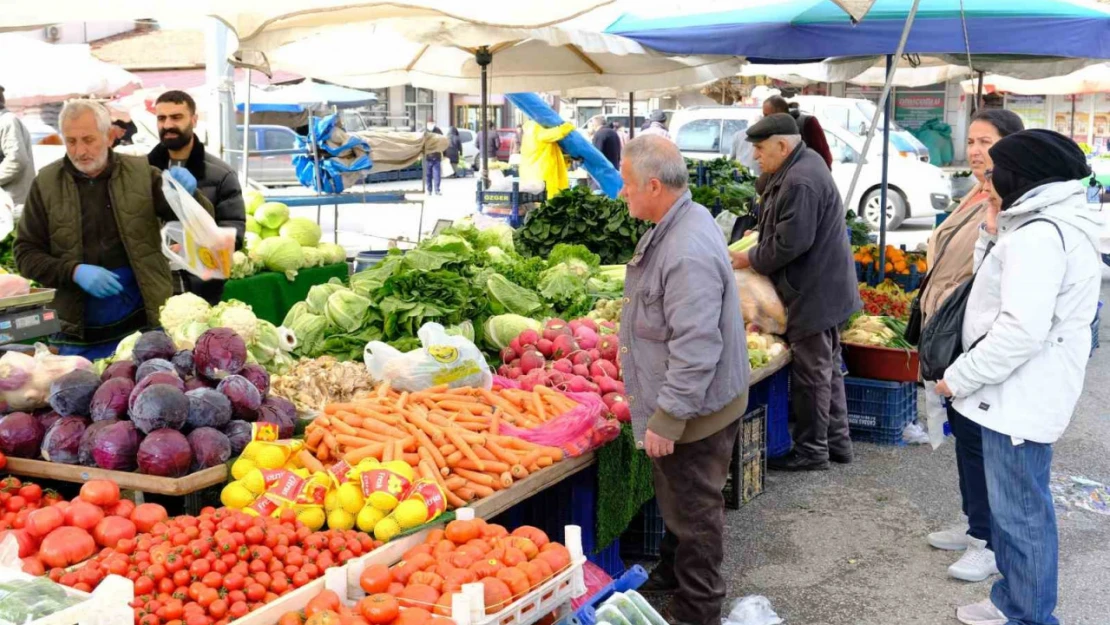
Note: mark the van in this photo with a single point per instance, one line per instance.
(855, 115)
(916, 188)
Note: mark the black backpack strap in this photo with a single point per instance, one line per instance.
(1054, 225)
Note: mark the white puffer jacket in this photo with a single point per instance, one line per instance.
(1032, 304)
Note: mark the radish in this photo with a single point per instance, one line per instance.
(603, 369)
(508, 355)
(610, 347)
(515, 363)
(514, 373)
(607, 327)
(503, 371)
(610, 399)
(579, 384)
(581, 358)
(515, 345)
(587, 338)
(595, 354)
(556, 379)
(565, 345)
(621, 411)
(528, 337)
(556, 328)
(581, 370)
(531, 361)
(563, 365)
(589, 323)
(609, 385)
(546, 347)
(574, 325)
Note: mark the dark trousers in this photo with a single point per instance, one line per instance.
(818, 403)
(432, 171)
(973, 476)
(688, 486)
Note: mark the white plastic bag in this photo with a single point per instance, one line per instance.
(443, 359)
(935, 414)
(195, 243)
(759, 302)
(752, 610)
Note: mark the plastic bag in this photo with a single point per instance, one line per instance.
(443, 359)
(25, 380)
(195, 243)
(752, 610)
(759, 302)
(576, 432)
(13, 286)
(935, 414)
(595, 579)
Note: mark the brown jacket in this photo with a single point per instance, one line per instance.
(951, 251)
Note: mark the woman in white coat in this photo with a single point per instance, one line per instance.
(1028, 325)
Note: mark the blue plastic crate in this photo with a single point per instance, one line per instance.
(609, 559)
(644, 537)
(774, 393)
(878, 411)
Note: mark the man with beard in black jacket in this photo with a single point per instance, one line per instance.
(216, 180)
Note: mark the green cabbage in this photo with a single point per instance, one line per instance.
(269, 233)
(280, 254)
(464, 329)
(237, 316)
(302, 230)
(268, 343)
(502, 329)
(310, 330)
(499, 235)
(182, 309)
(252, 199)
(125, 347)
(332, 253)
(346, 309)
(312, 257)
(448, 244)
(318, 296)
(506, 297)
(252, 226)
(272, 215)
(185, 337)
(250, 241)
(296, 312)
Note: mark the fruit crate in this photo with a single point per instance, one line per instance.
(748, 465)
(909, 282)
(878, 411)
(774, 393)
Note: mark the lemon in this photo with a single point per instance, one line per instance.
(270, 457)
(242, 467)
(350, 498)
(411, 513)
(367, 464)
(367, 518)
(302, 473)
(250, 450)
(312, 517)
(386, 530)
(383, 501)
(341, 520)
(321, 479)
(237, 496)
(331, 501)
(253, 481)
(402, 468)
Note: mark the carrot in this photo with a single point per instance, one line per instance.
(466, 494)
(322, 454)
(545, 461)
(557, 399)
(340, 425)
(383, 389)
(500, 452)
(537, 405)
(531, 457)
(501, 403)
(447, 450)
(323, 421)
(387, 453)
(433, 432)
(495, 423)
(401, 401)
(454, 458)
(476, 477)
(455, 501)
(398, 450)
(377, 426)
(491, 467)
(461, 406)
(506, 479)
(484, 453)
(354, 441)
(480, 490)
(330, 441)
(355, 456)
(465, 448)
(426, 444)
(455, 482)
(314, 437)
(309, 461)
(334, 408)
(519, 472)
(410, 458)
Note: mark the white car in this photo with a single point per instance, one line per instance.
(854, 115)
(915, 188)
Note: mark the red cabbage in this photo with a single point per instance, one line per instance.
(153, 345)
(208, 408)
(48, 418)
(71, 394)
(244, 396)
(239, 433)
(280, 411)
(119, 369)
(160, 406)
(258, 377)
(165, 453)
(110, 400)
(88, 441)
(183, 362)
(210, 446)
(21, 435)
(193, 384)
(62, 441)
(219, 352)
(162, 377)
(116, 447)
(154, 365)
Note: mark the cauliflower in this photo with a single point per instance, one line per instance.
(238, 317)
(180, 310)
(185, 337)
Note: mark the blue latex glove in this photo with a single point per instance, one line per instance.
(97, 281)
(184, 178)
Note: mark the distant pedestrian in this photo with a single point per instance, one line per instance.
(608, 142)
(17, 163)
(454, 149)
(808, 125)
(433, 164)
(657, 125)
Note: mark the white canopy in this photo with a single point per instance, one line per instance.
(35, 73)
(1092, 79)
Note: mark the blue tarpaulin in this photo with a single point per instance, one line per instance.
(332, 169)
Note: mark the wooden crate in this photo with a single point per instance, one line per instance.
(177, 487)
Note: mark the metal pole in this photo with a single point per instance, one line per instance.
(887, 114)
(221, 105)
(979, 94)
(483, 57)
(1071, 130)
(246, 131)
(882, 100)
(631, 113)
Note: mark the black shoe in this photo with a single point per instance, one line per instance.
(840, 458)
(657, 583)
(795, 461)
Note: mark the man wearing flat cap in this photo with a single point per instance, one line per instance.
(803, 248)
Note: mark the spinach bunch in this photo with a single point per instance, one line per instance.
(577, 216)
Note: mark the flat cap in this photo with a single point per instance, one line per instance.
(777, 124)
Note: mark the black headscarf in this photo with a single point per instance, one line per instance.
(1028, 159)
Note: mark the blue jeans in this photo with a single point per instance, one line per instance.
(432, 171)
(1023, 525)
(973, 478)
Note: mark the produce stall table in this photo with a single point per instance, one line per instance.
(271, 295)
(353, 197)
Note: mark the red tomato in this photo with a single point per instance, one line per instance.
(43, 521)
(32, 493)
(83, 514)
(111, 530)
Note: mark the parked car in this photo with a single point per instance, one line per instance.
(855, 115)
(916, 188)
(274, 164)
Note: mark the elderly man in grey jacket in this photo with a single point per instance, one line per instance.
(17, 164)
(685, 364)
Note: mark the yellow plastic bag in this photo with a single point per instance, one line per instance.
(195, 243)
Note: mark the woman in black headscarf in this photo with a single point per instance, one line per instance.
(1027, 336)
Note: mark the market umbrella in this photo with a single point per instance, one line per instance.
(1091, 79)
(306, 95)
(35, 73)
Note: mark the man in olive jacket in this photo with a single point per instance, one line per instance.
(685, 364)
(176, 113)
(803, 247)
(91, 228)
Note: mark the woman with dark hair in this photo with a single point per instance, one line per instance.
(454, 149)
(950, 255)
(1027, 339)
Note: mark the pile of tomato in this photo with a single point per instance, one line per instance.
(218, 566)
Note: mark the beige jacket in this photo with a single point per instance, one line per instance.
(951, 251)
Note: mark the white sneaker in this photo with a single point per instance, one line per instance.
(982, 613)
(977, 563)
(952, 539)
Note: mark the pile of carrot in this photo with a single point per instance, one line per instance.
(451, 436)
